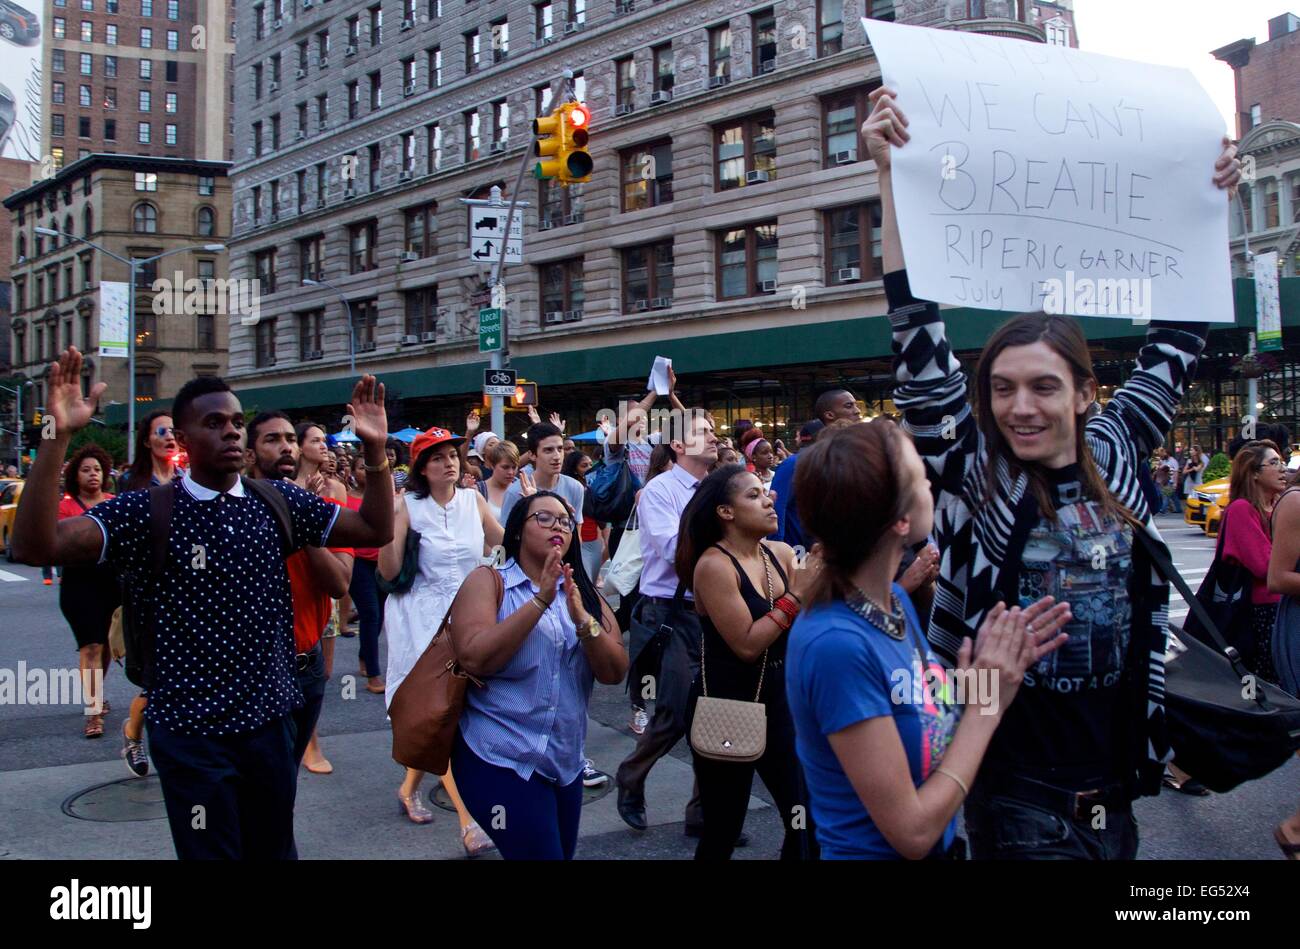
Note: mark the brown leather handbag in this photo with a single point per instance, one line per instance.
(426, 708)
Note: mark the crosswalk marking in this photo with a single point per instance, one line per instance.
(8, 577)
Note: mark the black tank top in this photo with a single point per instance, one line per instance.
(729, 676)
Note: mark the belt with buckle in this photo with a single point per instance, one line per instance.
(1076, 805)
(303, 659)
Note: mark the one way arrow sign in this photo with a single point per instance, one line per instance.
(487, 249)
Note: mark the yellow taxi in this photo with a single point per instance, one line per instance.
(10, 491)
(1214, 511)
(1196, 507)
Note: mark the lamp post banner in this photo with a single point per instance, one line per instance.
(113, 331)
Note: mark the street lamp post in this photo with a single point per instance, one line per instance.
(17, 393)
(133, 266)
(352, 327)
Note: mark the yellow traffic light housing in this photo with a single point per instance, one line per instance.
(562, 144)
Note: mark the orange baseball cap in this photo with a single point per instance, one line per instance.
(432, 437)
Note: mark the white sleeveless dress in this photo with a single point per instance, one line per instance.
(451, 545)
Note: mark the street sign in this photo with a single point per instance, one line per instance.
(489, 332)
(488, 249)
(500, 382)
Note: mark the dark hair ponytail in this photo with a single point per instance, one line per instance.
(700, 528)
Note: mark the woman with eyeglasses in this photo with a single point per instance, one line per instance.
(538, 646)
(456, 530)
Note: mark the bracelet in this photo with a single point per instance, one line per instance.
(786, 606)
(538, 602)
(782, 621)
(375, 469)
(965, 791)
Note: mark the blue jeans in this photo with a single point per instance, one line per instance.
(312, 682)
(370, 610)
(527, 820)
(1002, 828)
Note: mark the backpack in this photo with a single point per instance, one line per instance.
(138, 632)
(611, 491)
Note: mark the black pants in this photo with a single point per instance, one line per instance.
(312, 682)
(229, 797)
(1003, 828)
(677, 670)
(725, 786)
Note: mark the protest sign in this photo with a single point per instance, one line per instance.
(1042, 177)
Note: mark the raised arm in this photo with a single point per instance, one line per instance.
(39, 537)
(930, 385)
(372, 525)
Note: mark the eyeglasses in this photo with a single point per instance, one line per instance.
(546, 520)
(162, 431)
(1275, 463)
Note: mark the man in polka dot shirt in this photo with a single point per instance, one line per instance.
(223, 686)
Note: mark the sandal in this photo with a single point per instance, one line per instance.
(94, 726)
(414, 808)
(1190, 786)
(1289, 850)
(476, 840)
(320, 767)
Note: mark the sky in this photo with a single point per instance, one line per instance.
(1179, 34)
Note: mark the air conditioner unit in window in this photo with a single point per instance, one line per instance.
(845, 274)
(324, 62)
(315, 354)
(625, 6)
(767, 65)
(846, 157)
(349, 192)
(300, 73)
(404, 175)
(273, 86)
(306, 4)
(408, 24)
(642, 305)
(366, 347)
(299, 135)
(322, 125)
(85, 285)
(660, 96)
(277, 24)
(555, 316)
(410, 89)
(497, 147)
(572, 27)
(351, 50)
(275, 215)
(624, 108)
(767, 286)
(410, 340)
(572, 316)
(716, 81)
(320, 202)
(755, 177)
(574, 218)
(544, 224)
(409, 255)
(661, 303)
(429, 337)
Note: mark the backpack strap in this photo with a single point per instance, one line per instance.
(162, 499)
(272, 498)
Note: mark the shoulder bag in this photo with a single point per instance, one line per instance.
(624, 571)
(409, 569)
(1224, 595)
(1226, 725)
(426, 707)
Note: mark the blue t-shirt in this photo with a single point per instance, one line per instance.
(841, 670)
(788, 528)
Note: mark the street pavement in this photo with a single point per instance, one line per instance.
(69, 797)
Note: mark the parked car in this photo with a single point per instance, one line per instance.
(19, 25)
(10, 492)
(1214, 512)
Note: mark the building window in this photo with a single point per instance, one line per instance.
(473, 47)
(843, 114)
(500, 122)
(145, 217)
(87, 31)
(264, 343)
(146, 37)
(830, 27)
(1256, 115)
(83, 126)
(256, 199)
(577, 11)
(433, 146)
(146, 384)
(625, 84)
(310, 333)
(60, 28)
(543, 20)
(561, 287)
(311, 257)
(1294, 180)
(361, 246)
(500, 40)
(110, 130)
(365, 320)
(647, 275)
(748, 145)
(146, 7)
(853, 242)
(87, 220)
(473, 143)
(420, 230)
(1269, 205)
(87, 64)
(56, 125)
(435, 68)
(173, 40)
(56, 60)
(376, 91)
(354, 100)
(663, 68)
(146, 101)
(647, 176)
(172, 71)
(264, 269)
(56, 93)
(421, 311)
(110, 67)
(763, 27)
(110, 98)
(322, 184)
(169, 133)
(373, 166)
(207, 185)
(376, 25)
(173, 100)
(747, 261)
(257, 80)
(206, 332)
(173, 9)
(207, 222)
(322, 110)
(146, 181)
(719, 55)
(257, 138)
(110, 34)
(146, 69)
(560, 205)
(322, 46)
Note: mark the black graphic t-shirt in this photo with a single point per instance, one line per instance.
(1065, 717)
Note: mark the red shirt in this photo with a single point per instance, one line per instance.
(311, 604)
(363, 553)
(71, 507)
(588, 530)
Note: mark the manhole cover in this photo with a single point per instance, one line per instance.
(438, 795)
(125, 800)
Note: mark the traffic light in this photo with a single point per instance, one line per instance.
(36, 417)
(562, 144)
(525, 393)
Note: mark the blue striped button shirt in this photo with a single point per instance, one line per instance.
(532, 715)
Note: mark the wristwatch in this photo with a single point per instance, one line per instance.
(589, 630)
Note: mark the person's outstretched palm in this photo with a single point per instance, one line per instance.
(71, 410)
(369, 417)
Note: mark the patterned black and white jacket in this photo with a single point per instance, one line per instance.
(978, 534)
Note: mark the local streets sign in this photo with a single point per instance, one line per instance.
(500, 382)
(489, 333)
